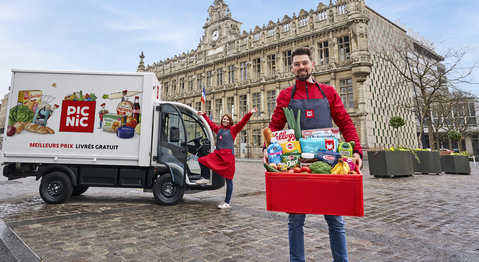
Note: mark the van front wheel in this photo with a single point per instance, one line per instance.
(166, 192)
(55, 188)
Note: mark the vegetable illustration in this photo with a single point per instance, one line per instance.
(118, 95)
(20, 113)
(11, 130)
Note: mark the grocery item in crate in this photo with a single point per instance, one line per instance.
(341, 168)
(329, 157)
(346, 149)
(282, 167)
(321, 132)
(313, 145)
(291, 160)
(274, 151)
(306, 159)
(320, 167)
(283, 136)
(291, 147)
(267, 134)
(351, 161)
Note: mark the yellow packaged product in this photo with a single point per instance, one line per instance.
(291, 147)
(29, 98)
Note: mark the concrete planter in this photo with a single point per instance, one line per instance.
(455, 164)
(390, 163)
(430, 162)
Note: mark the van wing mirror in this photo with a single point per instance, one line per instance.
(174, 134)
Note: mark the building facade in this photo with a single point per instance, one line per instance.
(241, 70)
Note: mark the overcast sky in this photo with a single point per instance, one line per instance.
(109, 35)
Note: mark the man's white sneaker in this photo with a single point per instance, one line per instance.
(224, 205)
(202, 181)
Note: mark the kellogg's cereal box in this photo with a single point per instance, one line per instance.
(283, 136)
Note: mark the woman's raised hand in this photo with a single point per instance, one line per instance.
(254, 110)
(200, 113)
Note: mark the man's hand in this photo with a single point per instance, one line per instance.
(200, 113)
(265, 156)
(358, 160)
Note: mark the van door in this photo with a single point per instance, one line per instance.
(172, 142)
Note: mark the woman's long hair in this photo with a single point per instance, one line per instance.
(229, 118)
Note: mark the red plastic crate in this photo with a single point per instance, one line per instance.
(300, 193)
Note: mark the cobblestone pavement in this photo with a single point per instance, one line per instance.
(418, 218)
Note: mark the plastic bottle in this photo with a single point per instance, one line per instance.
(274, 151)
(345, 149)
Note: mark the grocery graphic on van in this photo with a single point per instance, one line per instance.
(31, 113)
(58, 109)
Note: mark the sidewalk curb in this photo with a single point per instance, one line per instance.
(13, 247)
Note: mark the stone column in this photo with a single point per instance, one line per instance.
(469, 148)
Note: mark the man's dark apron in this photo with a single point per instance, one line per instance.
(315, 113)
(222, 160)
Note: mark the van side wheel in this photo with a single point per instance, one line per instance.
(166, 192)
(55, 188)
(78, 190)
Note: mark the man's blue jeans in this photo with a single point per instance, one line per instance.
(337, 237)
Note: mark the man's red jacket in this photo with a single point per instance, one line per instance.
(338, 113)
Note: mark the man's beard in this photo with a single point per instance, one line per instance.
(303, 77)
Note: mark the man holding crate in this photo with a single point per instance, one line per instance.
(319, 105)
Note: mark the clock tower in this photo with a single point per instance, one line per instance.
(219, 27)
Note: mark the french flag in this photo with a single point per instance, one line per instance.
(203, 96)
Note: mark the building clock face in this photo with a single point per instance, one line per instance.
(215, 35)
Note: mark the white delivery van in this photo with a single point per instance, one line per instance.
(75, 130)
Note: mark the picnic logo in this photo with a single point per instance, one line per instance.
(77, 116)
(310, 113)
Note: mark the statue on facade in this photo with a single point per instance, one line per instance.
(218, 11)
(331, 15)
(141, 66)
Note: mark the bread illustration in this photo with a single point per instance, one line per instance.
(19, 126)
(31, 127)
